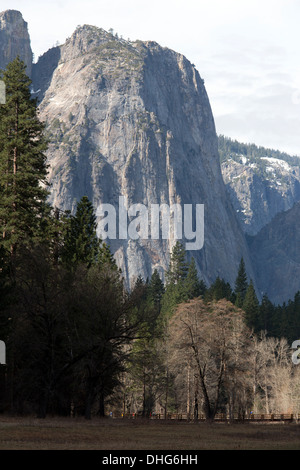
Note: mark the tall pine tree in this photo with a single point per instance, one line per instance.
(192, 283)
(178, 268)
(23, 167)
(241, 284)
(156, 290)
(176, 275)
(266, 315)
(251, 308)
(82, 244)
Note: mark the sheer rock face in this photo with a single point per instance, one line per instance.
(14, 39)
(42, 72)
(258, 194)
(134, 120)
(276, 254)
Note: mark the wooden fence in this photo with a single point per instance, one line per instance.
(252, 417)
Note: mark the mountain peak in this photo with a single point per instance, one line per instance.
(10, 15)
(14, 39)
(84, 40)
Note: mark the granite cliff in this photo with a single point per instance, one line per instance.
(133, 119)
(14, 39)
(275, 252)
(260, 182)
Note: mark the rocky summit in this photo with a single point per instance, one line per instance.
(14, 39)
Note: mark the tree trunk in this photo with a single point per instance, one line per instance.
(88, 406)
(90, 398)
(188, 391)
(196, 407)
(43, 405)
(101, 405)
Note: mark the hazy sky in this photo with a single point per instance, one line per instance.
(247, 51)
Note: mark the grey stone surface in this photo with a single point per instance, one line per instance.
(134, 119)
(275, 252)
(14, 39)
(259, 191)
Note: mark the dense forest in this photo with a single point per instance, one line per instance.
(78, 343)
(229, 148)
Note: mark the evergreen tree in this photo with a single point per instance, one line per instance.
(220, 289)
(241, 284)
(4, 275)
(82, 244)
(178, 265)
(192, 283)
(251, 308)
(175, 291)
(23, 167)
(6, 291)
(156, 290)
(146, 370)
(296, 315)
(266, 313)
(140, 284)
(106, 258)
(288, 319)
(202, 288)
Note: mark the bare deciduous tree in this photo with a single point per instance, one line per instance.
(213, 340)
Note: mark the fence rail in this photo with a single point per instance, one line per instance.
(252, 417)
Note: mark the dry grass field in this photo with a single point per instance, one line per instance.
(108, 434)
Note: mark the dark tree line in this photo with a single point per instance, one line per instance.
(66, 326)
(234, 149)
(278, 321)
(64, 313)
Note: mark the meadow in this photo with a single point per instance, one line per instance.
(113, 434)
